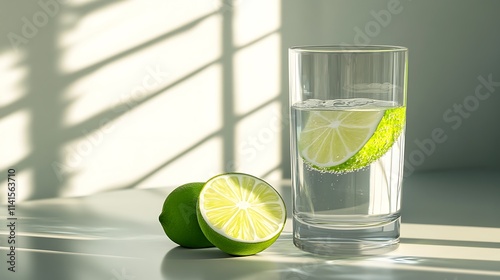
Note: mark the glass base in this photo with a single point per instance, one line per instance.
(375, 240)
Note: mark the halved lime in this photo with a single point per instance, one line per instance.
(240, 214)
(345, 141)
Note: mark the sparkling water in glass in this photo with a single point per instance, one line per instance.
(347, 110)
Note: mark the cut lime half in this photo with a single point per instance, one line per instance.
(240, 214)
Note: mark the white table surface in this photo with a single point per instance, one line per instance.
(450, 231)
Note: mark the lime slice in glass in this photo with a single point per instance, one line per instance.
(344, 141)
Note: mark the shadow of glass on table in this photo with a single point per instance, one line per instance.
(283, 261)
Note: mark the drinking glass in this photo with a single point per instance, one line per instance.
(348, 114)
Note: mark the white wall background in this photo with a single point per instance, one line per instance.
(101, 95)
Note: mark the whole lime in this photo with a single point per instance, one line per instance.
(178, 217)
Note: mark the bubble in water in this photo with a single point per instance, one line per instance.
(330, 103)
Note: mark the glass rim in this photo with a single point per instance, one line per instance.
(347, 49)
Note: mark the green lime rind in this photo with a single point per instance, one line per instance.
(388, 131)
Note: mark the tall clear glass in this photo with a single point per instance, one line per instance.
(348, 114)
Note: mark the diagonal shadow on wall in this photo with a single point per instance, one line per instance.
(45, 84)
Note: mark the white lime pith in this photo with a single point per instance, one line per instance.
(240, 214)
